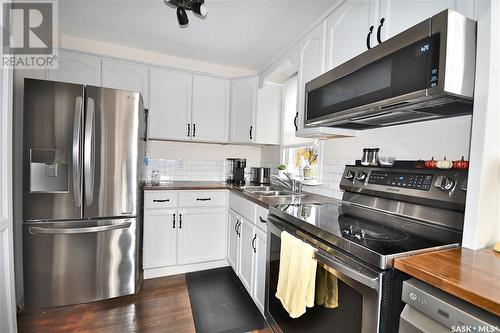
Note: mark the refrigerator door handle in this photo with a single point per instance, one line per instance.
(58, 231)
(89, 155)
(77, 175)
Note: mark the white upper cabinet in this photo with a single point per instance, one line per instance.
(243, 105)
(399, 15)
(127, 76)
(347, 30)
(311, 64)
(210, 109)
(170, 104)
(77, 68)
(268, 126)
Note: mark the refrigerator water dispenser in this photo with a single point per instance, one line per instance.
(48, 171)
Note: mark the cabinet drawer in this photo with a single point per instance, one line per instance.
(261, 218)
(160, 199)
(242, 206)
(202, 198)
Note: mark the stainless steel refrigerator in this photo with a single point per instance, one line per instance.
(82, 174)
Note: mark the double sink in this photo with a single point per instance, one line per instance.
(268, 191)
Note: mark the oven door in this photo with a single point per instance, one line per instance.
(358, 290)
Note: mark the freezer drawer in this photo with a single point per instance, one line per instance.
(78, 261)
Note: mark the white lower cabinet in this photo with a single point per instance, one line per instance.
(233, 240)
(160, 238)
(259, 280)
(247, 246)
(188, 237)
(246, 262)
(201, 235)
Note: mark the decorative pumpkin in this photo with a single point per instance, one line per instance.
(444, 164)
(430, 164)
(461, 164)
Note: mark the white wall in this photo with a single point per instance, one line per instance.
(201, 151)
(482, 215)
(151, 58)
(438, 138)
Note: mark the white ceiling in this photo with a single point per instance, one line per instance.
(239, 33)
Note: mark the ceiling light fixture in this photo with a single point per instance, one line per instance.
(197, 6)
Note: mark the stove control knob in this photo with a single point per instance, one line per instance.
(444, 183)
(361, 176)
(349, 175)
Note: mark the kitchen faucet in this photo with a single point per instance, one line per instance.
(293, 184)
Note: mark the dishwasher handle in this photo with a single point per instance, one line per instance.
(65, 231)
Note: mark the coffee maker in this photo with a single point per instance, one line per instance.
(236, 170)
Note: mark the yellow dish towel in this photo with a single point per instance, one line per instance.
(297, 275)
(326, 289)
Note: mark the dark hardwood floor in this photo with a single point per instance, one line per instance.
(162, 306)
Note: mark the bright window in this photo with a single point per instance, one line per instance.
(303, 161)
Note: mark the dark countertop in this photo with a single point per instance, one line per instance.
(473, 276)
(262, 201)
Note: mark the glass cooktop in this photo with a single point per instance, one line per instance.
(371, 230)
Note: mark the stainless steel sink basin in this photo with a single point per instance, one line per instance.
(275, 193)
(268, 191)
(252, 188)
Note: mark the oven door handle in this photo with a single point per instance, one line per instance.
(369, 281)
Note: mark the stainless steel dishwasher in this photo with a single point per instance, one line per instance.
(431, 310)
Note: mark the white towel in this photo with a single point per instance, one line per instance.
(297, 275)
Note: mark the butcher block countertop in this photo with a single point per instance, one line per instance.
(260, 200)
(473, 276)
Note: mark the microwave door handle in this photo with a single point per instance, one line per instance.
(371, 282)
(89, 152)
(86, 230)
(77, 172)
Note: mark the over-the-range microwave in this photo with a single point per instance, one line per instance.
(423, 73)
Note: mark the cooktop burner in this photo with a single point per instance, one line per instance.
(361, 230)
(375, 232)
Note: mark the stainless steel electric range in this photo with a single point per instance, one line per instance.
(385, 213)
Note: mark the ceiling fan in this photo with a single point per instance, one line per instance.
(197, 6)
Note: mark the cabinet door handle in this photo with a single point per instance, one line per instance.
(161, 200)
(203, 199)
(262, 220)
(239, 225)
(368, 38)
(379, 30)
(295, 121)
(173, 222)
(253, 243)
(189, 130)
(180, 221)
(194, 130)
(251, 128)
(236, 227)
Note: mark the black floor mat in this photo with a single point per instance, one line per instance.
(220, 303)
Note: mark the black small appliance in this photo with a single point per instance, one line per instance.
(236, 168)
